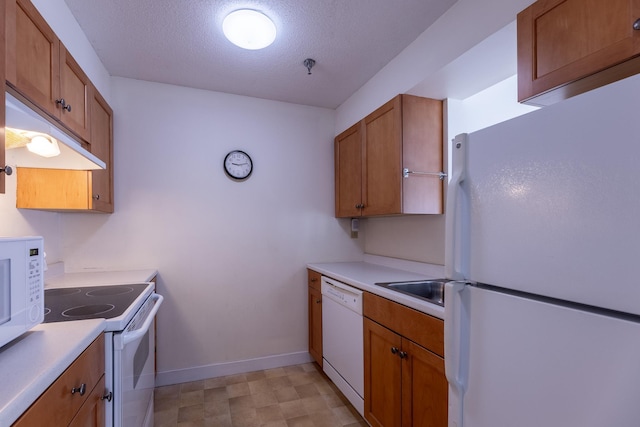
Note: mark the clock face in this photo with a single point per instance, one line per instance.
(238, 165)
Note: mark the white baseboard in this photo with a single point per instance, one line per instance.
(231, 368)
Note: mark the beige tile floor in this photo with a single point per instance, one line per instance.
(293, 396)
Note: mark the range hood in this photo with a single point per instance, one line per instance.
(23, 123)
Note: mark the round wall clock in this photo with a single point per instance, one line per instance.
(238, 165)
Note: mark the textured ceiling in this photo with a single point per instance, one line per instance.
(181, 43)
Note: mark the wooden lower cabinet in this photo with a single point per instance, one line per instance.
(382, 376)
(404, 382)
(315, 316)
(424, 387)
(92, 413)
(75, 398)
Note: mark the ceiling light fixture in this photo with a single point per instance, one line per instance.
(249, 29)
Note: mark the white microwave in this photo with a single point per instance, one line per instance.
(21, 285)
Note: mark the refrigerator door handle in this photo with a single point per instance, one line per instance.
(456, 347)
(454, 210)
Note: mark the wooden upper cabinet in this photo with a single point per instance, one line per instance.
(567, 47)
(74, 190)
(348, 170)
(406, 132)
(382, 166)
(102, 147)
(40, 68)
(75, 90)
(33, 54)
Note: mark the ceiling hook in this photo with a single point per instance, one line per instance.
(309, 63)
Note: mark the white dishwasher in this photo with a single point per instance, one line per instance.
(342, 339)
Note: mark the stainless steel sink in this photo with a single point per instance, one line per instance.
(428, 290)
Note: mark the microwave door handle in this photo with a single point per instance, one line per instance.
(129, 337)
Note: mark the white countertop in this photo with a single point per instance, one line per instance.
(97, 278)
(32, 362)
(364, 275)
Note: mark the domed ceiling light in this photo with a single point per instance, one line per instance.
(249, 29)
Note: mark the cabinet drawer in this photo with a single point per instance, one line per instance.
(314, 280)
(57, 406)
(421, 328)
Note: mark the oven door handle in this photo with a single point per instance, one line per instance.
(129, 337)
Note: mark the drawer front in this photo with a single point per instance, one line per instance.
(421, 328)
(58, 405)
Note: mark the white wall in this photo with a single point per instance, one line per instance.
(231, 255)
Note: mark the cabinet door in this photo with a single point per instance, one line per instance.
(382, 155)
(315, 324)
(74, 90)
(348, 170)
(91, 414)
(424, 388)
(102, 147)
(33, 55)
(561, 41)
(58, 404)
(382, 375)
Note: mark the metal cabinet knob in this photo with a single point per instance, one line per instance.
(7, 169)
(96, 197)
(81, 390)
(318, 301)
(403, 354)
(636, 25)
(62, 103)
(107, 397)
(394, 350)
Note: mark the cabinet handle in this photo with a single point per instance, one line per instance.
(107, 397)
(61, 102)
(394, 350)
(318, 301)
(359, 206)
(82, 389)
(636, 25)
(314, 279)
(403, 354)
(96, 197)
(7, 169)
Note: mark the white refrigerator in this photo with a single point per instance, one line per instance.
(542, 323)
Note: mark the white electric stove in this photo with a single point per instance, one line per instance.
(129, 311)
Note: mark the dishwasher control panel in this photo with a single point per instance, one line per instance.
(343, 294)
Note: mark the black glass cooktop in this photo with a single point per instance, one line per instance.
(90, 302)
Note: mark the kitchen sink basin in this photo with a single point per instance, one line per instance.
(428, 290)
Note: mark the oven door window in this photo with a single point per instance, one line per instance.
(140, 359)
